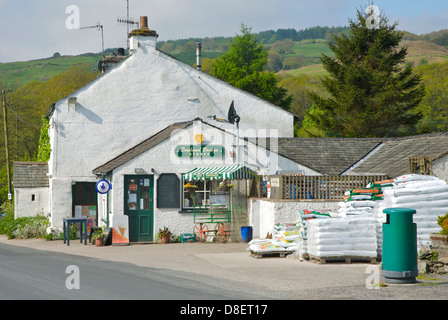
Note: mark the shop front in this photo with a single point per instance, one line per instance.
(182, 178)
(218, 197)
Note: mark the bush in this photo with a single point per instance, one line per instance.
(7, 211)
(27, 227)
(442, 221)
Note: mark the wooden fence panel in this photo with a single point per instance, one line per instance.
(323, 187)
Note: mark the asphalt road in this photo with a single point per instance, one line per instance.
(36, 269)
(28, 274)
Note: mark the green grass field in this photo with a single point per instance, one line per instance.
(310, 49)
(16, 74)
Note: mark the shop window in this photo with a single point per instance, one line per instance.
(202, 193)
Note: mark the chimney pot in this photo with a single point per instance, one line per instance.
(199, 55)
(144, 22)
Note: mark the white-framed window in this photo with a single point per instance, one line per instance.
(202, 194)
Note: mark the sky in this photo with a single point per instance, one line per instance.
(35, 29)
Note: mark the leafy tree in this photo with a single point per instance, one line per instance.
(44, 149)
(434, 106)
(372, 92)
(28, 134)
(242, 66)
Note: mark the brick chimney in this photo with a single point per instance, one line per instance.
(143, 36)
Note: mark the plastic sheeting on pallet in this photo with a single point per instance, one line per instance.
(427, 195)
(288, 237)
(342, 237)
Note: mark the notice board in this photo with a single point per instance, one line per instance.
(168, 191)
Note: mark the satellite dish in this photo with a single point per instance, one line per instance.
(233, 116)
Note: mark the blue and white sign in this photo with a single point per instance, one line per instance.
(103, 186)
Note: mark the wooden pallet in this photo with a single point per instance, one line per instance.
(276, 254)
(323, 260)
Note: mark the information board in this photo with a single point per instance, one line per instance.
(168, 191)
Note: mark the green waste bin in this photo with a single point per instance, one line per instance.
(399, 246)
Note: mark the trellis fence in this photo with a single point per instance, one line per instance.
(318, 187)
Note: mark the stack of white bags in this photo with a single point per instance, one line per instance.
(342, 237)
(428, 195)
(356, 229)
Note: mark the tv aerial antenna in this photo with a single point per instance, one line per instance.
(128, 21)
(100, 28)
(232, 118)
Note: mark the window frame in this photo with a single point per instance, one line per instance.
(209, 185)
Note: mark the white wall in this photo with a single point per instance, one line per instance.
(24, 204)
(265, 213)
(144, 94)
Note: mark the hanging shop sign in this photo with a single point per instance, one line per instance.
(199, 151)
(103, 186)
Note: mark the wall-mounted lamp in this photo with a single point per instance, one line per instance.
(139, 170)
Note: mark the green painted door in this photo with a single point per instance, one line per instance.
(139, 206)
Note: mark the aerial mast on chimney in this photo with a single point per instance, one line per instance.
(128, 22)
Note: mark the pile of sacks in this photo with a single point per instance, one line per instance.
(342, 237)
(356, 231)
(288, 237)
(364, 201)
(428, 195)
(284, 238)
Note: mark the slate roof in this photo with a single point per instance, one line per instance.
(392, 159)
(141, 148)
(30, 175)
(328, 156)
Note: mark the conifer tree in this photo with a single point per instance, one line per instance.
(372, 92)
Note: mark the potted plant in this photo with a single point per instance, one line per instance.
(164, 235)
(98, 237)
(225, 186)
(191, 188)
(441, 238)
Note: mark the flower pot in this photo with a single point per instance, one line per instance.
(438, 240)
(165, 239)
(99, 242)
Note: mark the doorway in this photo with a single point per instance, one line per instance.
(139, 206)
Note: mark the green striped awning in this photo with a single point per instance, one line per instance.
(232, 172)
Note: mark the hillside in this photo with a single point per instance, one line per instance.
(292, 52)
(420, 53)
(14, 75)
